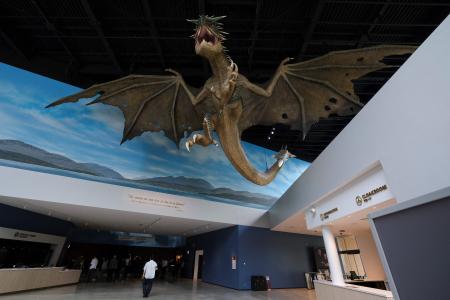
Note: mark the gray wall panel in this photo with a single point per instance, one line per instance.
(416, 246)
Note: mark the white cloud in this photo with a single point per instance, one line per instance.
(15, 94)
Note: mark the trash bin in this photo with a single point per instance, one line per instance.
(258, 283)
(310, 277)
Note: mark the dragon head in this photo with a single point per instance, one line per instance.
(208, 36)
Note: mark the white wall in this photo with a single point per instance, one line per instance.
(31, 185)
(406, 126)
(369, 255)
(344, 199)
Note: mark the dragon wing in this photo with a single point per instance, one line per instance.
(148, 103)
(305, 92)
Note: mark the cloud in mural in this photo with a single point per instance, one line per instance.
(91, 134)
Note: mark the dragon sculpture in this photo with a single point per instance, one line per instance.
(298, 95)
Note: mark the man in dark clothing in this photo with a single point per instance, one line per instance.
(112, 268)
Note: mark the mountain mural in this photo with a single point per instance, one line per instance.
(22, 152)
(19, 151)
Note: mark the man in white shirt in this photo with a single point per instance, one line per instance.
(92, 273)
(148, 276)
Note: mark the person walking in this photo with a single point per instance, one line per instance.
(149, 274)
(92, 273)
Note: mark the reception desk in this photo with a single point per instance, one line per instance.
(325, 290)
(16, 280)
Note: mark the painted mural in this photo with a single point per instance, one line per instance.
(85, 140)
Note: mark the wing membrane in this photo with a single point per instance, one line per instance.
(148, 103)
(307, 91)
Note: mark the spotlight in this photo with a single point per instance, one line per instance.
(268, 137)
(271, 132)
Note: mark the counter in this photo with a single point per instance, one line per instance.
(325, 290)
(16, 280)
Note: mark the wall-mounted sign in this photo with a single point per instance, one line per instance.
(233, 262)
(327, 214)
(23, 235)
(368, 196)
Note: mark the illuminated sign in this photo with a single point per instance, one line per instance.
(23, 235)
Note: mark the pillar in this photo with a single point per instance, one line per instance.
(333, 256)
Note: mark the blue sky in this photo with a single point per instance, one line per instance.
(93, 134)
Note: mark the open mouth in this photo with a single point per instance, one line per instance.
(204, 34)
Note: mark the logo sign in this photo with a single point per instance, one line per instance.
(359, 200)
(368, 196)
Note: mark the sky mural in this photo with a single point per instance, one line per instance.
(86, 140)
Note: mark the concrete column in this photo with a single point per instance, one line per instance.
(333, 256)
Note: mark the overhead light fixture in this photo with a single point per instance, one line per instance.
(268, 137)
(271, 132)
(313, 210)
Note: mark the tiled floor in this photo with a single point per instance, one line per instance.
(181, 290)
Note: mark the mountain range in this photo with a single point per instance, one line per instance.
(19, 151)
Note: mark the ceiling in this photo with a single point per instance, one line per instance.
(82, 42)
(95, 218)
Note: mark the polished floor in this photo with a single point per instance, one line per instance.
(181, 290)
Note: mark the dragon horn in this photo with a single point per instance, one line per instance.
(195, 21)
(216, 19)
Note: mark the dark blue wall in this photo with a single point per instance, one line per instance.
(218, 247)
(12, 217)
(285, 257)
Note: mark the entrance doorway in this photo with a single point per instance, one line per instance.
(198, 265)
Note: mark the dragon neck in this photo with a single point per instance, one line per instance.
(219, 64)
(228, 131)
